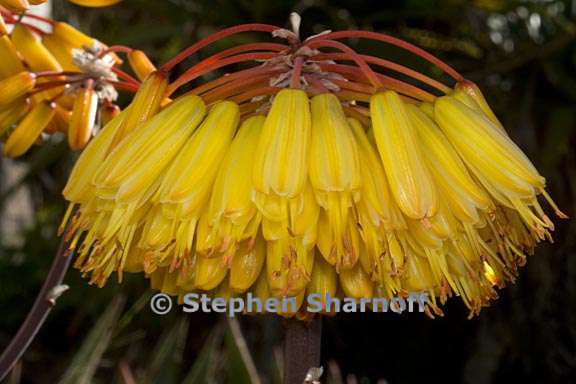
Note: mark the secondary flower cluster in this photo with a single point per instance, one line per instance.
(59, 80)
(24, 5)
(304, 174)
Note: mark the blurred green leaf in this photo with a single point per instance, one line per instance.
(85, 362)
(199, 373)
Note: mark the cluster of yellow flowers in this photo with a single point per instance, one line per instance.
(59, 80)
(24, 5)
(302, 175)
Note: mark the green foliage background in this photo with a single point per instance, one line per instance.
(521, 53)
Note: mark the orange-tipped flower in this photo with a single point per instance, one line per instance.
(141, 64)
(83, 117)
(146, 104)
(15, 5)
(95, 3)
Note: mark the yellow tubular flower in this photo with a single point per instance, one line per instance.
(461, 193)
(323, 282)
(171, 128)
(140, 64)
(15, 5)
(29, 129)
(11, 63)
(16, 86)
(184, 188)
(79, 188)
(303, 216)
(469, 93)
(209, 272)
(83, 118)
(33, 51)
(37, 57)
(490, 154)
(231, 216)
(136, 163)
(70, 36)
(285, 139)
(334, 173)
(197, 163)
(334, 165)
(289, 267)
(356, 283)
(409, 177)
(64, 38)
(60, 50)
(146, 104)
(95, 3)
(261, 290)
(376, 201)
(247, 265)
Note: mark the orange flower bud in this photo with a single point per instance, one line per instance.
(95, 3)
(60, 121)
(15, 5)
(83, 118)
(145, 105)
(108, 112)
(141, 64)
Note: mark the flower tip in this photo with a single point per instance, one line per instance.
(95, 3)
(15, 5)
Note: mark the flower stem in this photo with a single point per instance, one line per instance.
(124, 76)
(393, 41)
(248, 95)
(388, 65)
(302, 345)
(30, 15)
(223, 80)
(214, 37)
(235, 87)
(295, 81)
(209, 65)
(44, 303)
(364, 67)
(351, 72)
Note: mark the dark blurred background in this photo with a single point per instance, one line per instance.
(523, 56)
